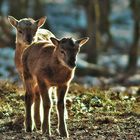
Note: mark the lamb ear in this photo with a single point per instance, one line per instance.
(82, 41)
(13, 21)
(40, 22)
(55, 41)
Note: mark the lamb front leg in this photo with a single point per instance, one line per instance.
(28, 104)
(61, 107)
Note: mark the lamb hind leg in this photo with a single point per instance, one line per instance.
(44, 91)
(37, 109)
(61, 92)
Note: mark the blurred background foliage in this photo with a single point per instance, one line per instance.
(111, 54)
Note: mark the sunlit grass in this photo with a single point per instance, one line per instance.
(88, 110)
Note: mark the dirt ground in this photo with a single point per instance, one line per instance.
(94, 114)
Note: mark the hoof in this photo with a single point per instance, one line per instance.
(38, 127)
(28, 129)
(46, 133)
(64, 134)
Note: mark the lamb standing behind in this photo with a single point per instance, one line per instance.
(27, 31)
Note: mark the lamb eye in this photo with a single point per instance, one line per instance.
(62, 52)
(20, 31)
(63, 41)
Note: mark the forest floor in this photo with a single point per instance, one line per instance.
(94, 114)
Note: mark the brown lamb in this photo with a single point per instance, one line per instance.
(27, 31)
(45, 65)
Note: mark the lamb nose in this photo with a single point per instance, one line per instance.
(72, 64)
(29, 39)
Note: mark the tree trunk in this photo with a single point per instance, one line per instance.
(18, 8)
(105, 7)
(38, 5)
(133, 54)
(1, 1)
(93, 16)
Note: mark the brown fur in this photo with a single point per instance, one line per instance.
(27, 31)
(48, 64)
